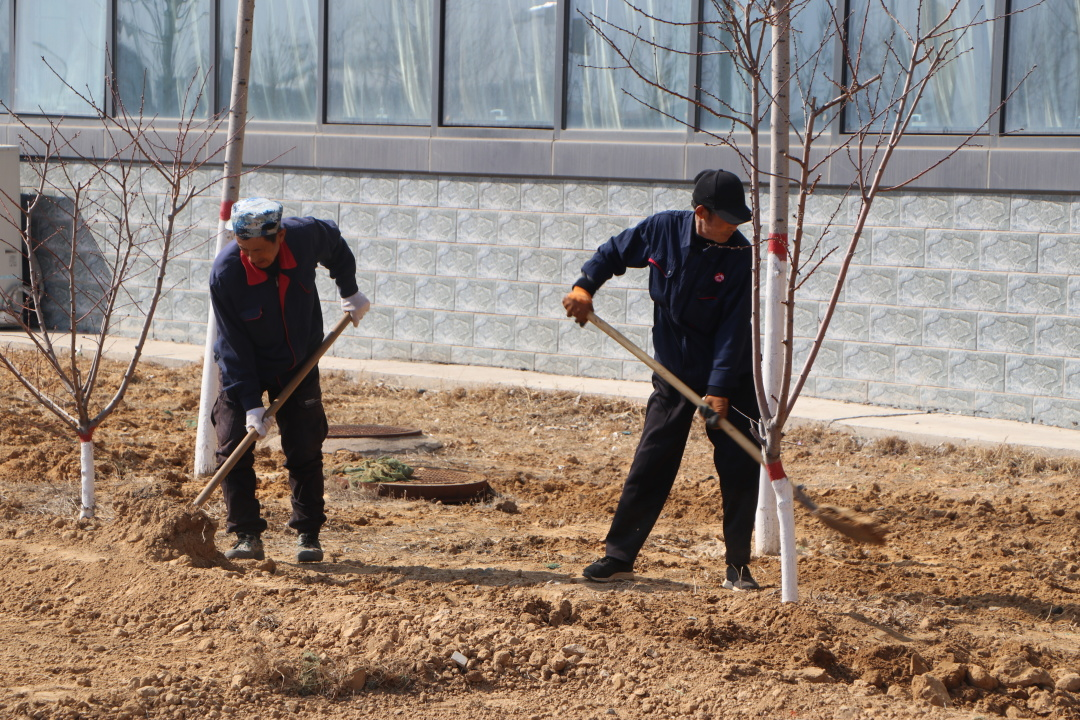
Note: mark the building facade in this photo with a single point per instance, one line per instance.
(475, 152)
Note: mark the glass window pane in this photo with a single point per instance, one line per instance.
(599, 97)
(724, 88)
(1046, 38)
(813, 47)
(70, 35)
(499, 63)
(163, 50)
(379, 62)
(957, 98)
(5, 50)
(284, 59)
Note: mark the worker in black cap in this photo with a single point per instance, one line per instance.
(700, 283)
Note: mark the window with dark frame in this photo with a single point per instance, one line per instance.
(498, 64)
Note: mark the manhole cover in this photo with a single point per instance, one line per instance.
(447, 486)
(370, 431)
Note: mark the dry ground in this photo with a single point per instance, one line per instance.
(972, 602)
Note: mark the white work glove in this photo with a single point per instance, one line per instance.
(357, 306)
(255, 420)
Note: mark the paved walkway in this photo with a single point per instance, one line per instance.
(863, 420)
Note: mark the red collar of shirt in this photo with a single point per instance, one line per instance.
(285, 260)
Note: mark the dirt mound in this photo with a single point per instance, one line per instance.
(884, 665)
(163, 529)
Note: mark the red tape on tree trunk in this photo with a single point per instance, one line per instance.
(775, 471)
(778, 245)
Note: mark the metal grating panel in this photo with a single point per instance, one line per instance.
(448, 486)
(442, 476)
(370, 431)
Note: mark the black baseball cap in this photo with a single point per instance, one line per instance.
(722, 193)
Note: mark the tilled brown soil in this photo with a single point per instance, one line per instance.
(427, 610)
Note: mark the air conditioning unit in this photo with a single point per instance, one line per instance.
(11, 245)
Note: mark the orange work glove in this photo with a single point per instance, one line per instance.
(718, 404)
(578, 304)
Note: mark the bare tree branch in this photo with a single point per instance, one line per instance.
(879, 99)
(97, 222)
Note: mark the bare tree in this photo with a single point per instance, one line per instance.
(99, 229)
(880, 67)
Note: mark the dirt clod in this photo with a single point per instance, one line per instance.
(165, 530)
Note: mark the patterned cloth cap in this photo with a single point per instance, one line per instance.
(255, 217)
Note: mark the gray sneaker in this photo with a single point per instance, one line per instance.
(308, 548)
(739, 579)
(248, 547)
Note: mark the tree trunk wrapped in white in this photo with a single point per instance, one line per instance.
(205, 442)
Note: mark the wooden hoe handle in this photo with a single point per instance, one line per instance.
(711, 418)
(253, 435)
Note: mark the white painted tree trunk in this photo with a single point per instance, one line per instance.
(767, 531)
(86, 478)
(777, 271)
(789, 571)
(205, 442)
(766, 524)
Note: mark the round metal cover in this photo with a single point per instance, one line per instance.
(370, 431)
(448, 486)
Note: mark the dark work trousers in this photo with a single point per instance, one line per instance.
(668, 418)
(303, 427)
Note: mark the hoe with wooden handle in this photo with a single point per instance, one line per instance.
(253, 435)
(854, 525)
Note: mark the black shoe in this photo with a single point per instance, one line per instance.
(739, 578)
(248, 547)
(609, 569)
(309, 548)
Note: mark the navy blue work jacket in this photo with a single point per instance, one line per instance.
(269, 321)
(701, 294)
